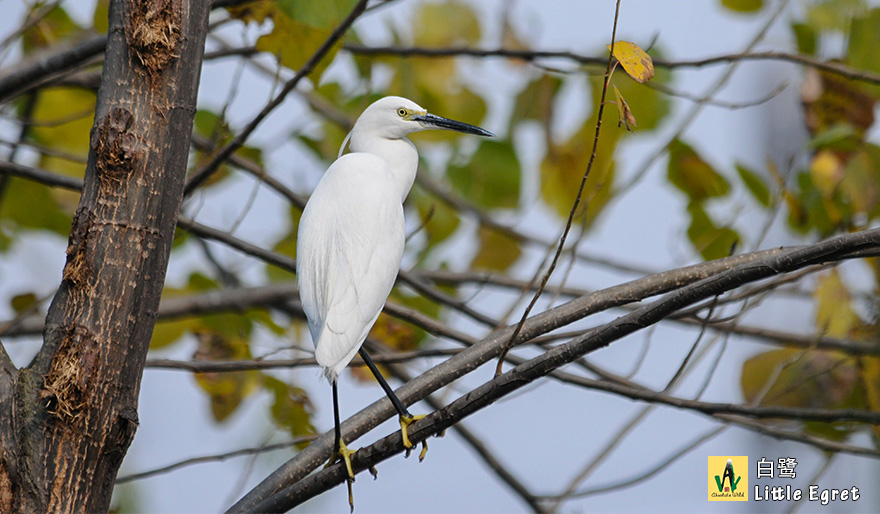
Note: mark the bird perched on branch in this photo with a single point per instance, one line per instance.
(351, 237)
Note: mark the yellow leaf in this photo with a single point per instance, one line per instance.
(835, 316)
(226, 390)
(624, 115)
(871, 382)
(497, 252)
(635, 61)
(446, 24)
(815, 378)
(826, 172)
(563, 169)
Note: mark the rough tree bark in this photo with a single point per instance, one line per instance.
(74, 408)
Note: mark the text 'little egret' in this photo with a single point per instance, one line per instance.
(351, 237)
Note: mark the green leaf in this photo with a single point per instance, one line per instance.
(497, 252)
(860, 187)
(18, 210)
(834, 15)
(293, 41)
(100, 18)
(812, 378)
(458, 103)
(264, 318)
(291, 408)
(805, 37)
(492, 178)
(439, 221)
(807, 208)
(563, 169)
(535, 102)
(746, 6)
(24, 303)
(864, 44)
(755, 185)
(285, 246)
(201, 282)
(326, 14)
(64, 119)
(711, 241)
(693, 175)
(210, 125)
(225, 390)
(54, 26)
(815, 378)
(215, 129)
(840, 136)
(445, 24)
(168, 332)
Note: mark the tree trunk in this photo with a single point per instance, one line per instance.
(74, 408)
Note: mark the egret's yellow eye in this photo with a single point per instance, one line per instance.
(401, 112)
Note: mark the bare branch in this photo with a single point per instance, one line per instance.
(42, 176)
(219, 457)
(254, 364)
(771, 262)
(536, 55)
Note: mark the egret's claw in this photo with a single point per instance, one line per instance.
(344, 454)
(424, 450)
(405, 422)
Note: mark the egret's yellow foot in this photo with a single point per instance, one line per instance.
(405, 422)
(344, 454)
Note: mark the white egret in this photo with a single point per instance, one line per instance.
(351, 236)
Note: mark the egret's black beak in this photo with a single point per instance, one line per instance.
(431, 121)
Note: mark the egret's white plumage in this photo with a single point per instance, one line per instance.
(351, 236)
(349, 251)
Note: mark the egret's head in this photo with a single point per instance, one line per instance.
(394, 117)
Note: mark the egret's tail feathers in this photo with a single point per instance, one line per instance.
(334, 351)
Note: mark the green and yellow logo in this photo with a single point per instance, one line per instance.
(728, 478)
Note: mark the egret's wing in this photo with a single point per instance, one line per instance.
(349, 247)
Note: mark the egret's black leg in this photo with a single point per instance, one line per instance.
(340, 451)
(405, 417)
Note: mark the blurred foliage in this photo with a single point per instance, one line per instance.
(834, 188)
(299, 28)
(838, 190)
(215, 130)
(59, 119)
(793, 377)
(744, 6)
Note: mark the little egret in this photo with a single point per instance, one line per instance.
(351, 237)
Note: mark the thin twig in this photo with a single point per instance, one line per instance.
(219, 457)
(535, 55)
(574, 208)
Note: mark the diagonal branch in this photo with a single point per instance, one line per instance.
(749, 267)
(296, 492)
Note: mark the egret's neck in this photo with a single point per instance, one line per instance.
(400, 154)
